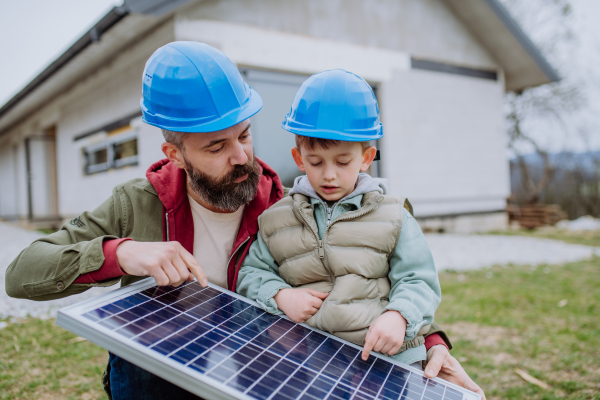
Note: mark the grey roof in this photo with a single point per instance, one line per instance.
(523, 63)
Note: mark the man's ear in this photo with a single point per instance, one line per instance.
(173, 153)
(367, 158)
(298, 159)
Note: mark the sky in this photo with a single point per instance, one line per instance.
(33, 33)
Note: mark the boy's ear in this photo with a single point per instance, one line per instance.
(367, 158)
(298, 159)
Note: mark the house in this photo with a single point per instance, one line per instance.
(439, 68)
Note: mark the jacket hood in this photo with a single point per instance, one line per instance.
(364, 184)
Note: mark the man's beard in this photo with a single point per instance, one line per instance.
(224, 193)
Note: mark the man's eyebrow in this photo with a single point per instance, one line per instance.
(210, 144)
(247, 128)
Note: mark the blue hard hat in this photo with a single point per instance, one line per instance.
(337, 105)
(193, 87)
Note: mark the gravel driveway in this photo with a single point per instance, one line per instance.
(450, 251)
(463, 252)
(13, 239)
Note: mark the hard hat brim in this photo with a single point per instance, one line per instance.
(358, 135)
(252, 106)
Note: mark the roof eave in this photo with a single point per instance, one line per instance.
(521, 60)
(531, 49)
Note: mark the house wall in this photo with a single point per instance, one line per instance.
(423, 28)
(445, 142)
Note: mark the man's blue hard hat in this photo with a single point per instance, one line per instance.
(193, 87)
(337, 105)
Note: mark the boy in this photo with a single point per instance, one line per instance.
(337, 254)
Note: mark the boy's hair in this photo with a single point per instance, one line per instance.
(326, 144)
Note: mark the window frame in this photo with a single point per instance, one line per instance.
(109, 144)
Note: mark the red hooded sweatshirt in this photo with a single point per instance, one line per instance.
(170, 184)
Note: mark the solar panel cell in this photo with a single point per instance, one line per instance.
(341, 392)
(202, 364)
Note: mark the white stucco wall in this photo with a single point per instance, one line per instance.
(423, 28)
(445, 142)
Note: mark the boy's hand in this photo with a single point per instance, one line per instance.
(299, 304)
(386, 334)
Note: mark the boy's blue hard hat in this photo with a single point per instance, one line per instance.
(337, 105)
(193, 87)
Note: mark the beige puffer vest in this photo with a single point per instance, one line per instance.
(351, 262)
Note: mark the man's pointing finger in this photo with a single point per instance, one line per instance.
(194, 267)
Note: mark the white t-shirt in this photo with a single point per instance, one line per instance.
(214, 237)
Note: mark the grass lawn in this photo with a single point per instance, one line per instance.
(39, 360)
(544, 321)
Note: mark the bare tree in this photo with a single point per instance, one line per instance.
(549, 24)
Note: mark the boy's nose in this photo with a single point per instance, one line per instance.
(329, 174)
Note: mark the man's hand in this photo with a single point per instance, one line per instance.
(440, 363)
(299, 304)
(167, 262)
(386, 334)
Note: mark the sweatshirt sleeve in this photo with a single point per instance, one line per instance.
(415, 289)
(259, 278)
(110, 269)
(47, 269)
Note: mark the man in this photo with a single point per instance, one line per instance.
(194, 216)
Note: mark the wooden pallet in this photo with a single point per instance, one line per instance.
(532, 216)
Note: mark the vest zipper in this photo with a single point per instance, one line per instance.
(233, 254)
(321, 247)
(329, 211)
(167, 225)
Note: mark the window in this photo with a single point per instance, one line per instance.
(111, 153)
(126, 152)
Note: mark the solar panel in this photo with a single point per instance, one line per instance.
(220, 345)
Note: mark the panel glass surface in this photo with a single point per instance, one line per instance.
(238, 345)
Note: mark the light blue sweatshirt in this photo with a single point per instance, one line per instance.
(415, 289)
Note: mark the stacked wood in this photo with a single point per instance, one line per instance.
(532, 216)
